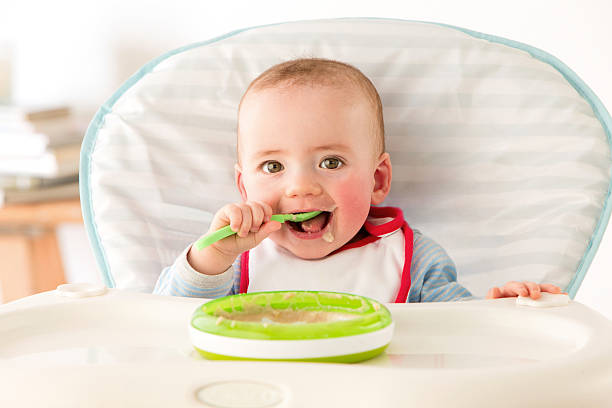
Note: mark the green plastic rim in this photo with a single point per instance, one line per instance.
(346, 358)
(369, 315)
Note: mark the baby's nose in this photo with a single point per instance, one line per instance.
(302, 185)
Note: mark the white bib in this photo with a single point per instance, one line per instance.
(373, 270)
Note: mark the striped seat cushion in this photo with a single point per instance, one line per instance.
(500, 153)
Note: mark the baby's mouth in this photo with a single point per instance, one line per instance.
(313, 225)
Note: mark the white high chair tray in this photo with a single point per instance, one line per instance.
(128, 349)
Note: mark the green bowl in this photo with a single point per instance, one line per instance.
(292, 325)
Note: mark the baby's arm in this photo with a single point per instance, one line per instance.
(514, 289)
(208, 273)
(180, 279)
(433, 274)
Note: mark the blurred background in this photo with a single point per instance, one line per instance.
(61, 60)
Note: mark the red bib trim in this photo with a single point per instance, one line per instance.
(375, 231)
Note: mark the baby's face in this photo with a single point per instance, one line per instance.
(305, 149)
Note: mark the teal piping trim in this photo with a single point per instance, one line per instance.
(598, 108)
(87, 147)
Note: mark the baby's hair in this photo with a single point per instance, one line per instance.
(322, 72)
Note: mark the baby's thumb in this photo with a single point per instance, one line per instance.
(265, 230)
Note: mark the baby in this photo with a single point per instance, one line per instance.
(311, 137)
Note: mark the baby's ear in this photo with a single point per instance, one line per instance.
(382, 179)
(239, 182)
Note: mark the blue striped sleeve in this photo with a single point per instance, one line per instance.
(433, 274)
(180, 279)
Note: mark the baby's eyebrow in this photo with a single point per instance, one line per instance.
(267, 152)
(337, 146)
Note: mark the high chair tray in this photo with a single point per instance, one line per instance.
(128, 349)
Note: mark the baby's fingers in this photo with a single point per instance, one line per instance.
(267, 211)
(531, 289)
(247, 220)
(230, 214)
(512, 289)
(534, 290)
(258, 214)
(253, 214)
(493, 293)
(238, 216)
(547, 287)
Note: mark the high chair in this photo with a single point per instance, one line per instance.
(500, 153)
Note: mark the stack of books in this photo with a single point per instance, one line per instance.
(39, 153)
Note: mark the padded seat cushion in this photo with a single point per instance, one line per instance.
(500, 153)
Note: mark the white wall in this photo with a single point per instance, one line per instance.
(83, 50)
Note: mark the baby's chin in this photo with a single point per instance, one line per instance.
(315, 249)
(311, 254)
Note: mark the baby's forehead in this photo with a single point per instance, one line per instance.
(351, 91)
(271, 104)
(266, 103)
(261, 105)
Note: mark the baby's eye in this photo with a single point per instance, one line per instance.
(271, 166)
(331, 163)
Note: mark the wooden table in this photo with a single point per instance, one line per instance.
(30, 260)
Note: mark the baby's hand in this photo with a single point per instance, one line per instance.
(250, 220)
(513, 289)
(252, 223)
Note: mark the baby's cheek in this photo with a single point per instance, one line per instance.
(258, 190)
(354, 197)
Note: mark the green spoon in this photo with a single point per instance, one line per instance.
(227, 231)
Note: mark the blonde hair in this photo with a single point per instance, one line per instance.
(322, 72)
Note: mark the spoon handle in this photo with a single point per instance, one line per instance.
(213, 237)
